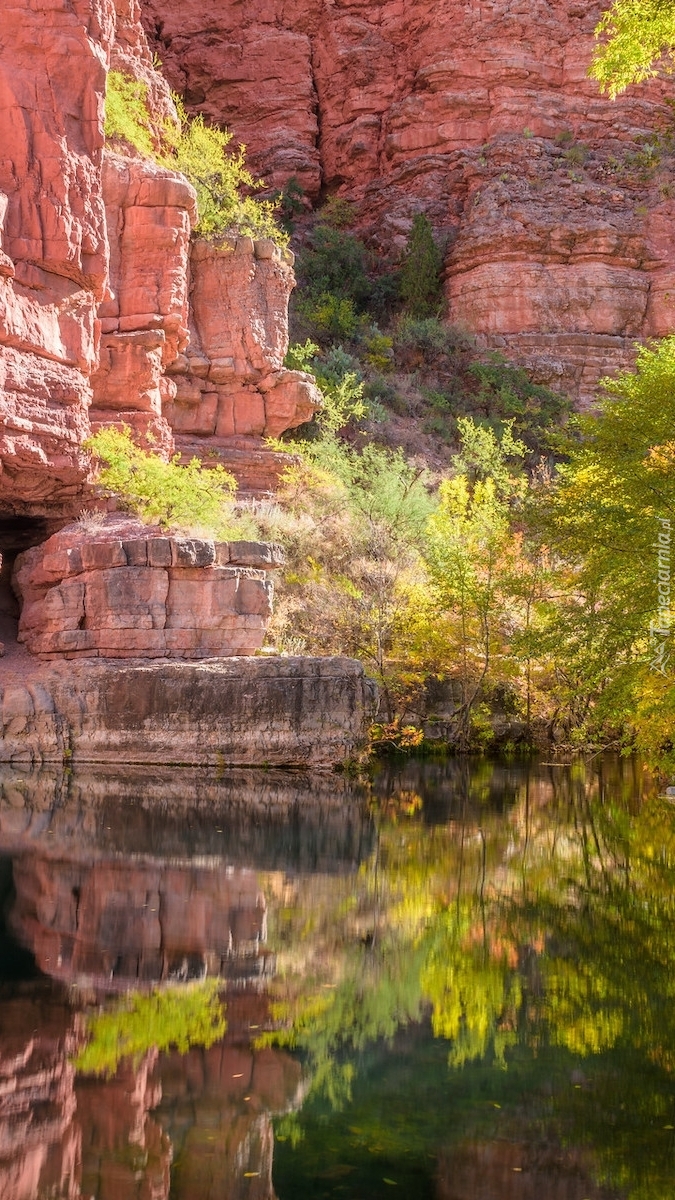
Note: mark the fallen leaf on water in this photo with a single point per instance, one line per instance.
(392, 1182)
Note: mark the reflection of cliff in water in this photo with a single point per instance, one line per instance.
(270, 820)
(68, 1138)
(123, 882)
(154, 876)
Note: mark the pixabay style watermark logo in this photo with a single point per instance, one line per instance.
(659, 626)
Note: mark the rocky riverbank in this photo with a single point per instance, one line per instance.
(269, 711)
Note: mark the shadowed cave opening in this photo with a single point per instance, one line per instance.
(16, 534)
(16, 963)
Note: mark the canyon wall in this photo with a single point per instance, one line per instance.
(96, 280)
(479, 113)
(54, 263)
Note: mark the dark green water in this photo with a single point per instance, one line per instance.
(456, 984)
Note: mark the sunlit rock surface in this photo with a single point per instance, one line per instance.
(126, 591)
(481, 115)
(242, 711)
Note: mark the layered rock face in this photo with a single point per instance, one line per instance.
(479, 113)
(295, 712)
(150, 212)
(122, 592)
(230, 386)
(54, 261)
(94, 277)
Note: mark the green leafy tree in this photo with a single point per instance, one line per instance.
(610, 504)
(335, 263)
(470, 558)
(637, 37)
(420, 284)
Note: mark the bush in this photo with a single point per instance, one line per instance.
(379, 390)
(340, 383)
(342, 402)
(336, 364)
(301, 357)
(428, 340)
(335, 263)
(290, 203)
(378, 350)
(335, 266)
(506, 394)
(126, 114)
(420, 285)
(192, 497)
(199, 152)
(330, 316)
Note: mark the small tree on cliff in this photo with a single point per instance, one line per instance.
(421, 273)
(637, 37)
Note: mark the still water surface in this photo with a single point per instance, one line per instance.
(456, 984)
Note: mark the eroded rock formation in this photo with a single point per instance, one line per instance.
(478, 112)
(94, 277)
(231, 388)
(150, 212)
(128, 591)
(54, 262)
(279, 711)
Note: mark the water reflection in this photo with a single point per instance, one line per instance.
(458, 982)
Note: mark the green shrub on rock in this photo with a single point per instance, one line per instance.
(188, 497)
(127, 118)
(199, 151)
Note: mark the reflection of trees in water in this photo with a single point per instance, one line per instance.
(524, 915)
(549, 931)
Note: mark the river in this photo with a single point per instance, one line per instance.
(454, 982)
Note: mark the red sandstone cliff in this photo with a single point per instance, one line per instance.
(478, 112)
(95, 276)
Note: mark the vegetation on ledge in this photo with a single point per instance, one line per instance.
(190, 498)
(199, 151)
